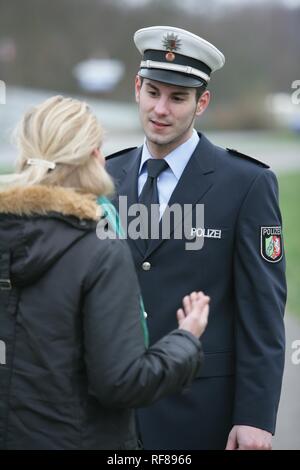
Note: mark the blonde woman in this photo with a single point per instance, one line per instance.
(73, 358)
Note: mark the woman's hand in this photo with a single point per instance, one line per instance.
(193, 316)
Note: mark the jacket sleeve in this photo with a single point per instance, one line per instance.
(260, 291)
(121, 371)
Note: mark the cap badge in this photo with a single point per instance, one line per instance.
(171, 42)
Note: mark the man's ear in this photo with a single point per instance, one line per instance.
(203, 102)
(138, 86)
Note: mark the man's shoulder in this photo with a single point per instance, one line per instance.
(114, 157)
(238, 163)
(245, 159)
(231, 159)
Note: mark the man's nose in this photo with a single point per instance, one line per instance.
(161, 106)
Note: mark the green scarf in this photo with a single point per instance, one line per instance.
(112, 217)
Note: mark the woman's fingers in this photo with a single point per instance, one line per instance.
(200, 300)
(196, 301)
(180, 315)
(193, 317)
(187, 304)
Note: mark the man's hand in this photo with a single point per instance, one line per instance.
(249, 438)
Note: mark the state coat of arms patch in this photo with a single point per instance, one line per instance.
(271, 243)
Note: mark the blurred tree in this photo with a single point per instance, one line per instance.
(260, 42)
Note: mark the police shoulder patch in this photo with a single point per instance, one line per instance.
(247, 157)
(271, 243)
(119, 153)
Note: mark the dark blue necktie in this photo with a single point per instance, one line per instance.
(149, 194)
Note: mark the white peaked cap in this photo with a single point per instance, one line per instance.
(176, 56)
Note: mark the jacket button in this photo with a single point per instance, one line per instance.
(145, 315)
(146, 266)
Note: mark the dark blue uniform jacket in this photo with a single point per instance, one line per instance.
(241, 267)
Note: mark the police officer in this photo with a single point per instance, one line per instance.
(240, 263)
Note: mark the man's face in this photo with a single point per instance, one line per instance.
(167, 112)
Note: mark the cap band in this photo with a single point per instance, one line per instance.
(160, 56)
(150, 64)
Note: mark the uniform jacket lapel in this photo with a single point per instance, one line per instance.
(129, 176)
(196, 180)
(129, 187)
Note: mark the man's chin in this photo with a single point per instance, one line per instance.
(159, 139)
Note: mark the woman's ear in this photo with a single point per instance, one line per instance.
(96, 153)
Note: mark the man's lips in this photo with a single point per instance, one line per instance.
(159, 124)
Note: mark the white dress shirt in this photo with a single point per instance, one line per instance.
(168, 179)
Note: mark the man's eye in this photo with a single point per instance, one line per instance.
(152, 93)
(178, 99)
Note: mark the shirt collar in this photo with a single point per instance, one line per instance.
(177, 159)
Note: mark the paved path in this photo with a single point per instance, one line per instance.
(288, 422)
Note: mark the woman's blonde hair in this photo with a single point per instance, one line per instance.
(65, 132)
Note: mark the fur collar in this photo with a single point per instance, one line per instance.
(40, 200)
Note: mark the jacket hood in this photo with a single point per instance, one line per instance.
(39, 223)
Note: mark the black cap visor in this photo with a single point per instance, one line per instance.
(171, 78)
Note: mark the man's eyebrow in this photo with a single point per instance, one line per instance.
(183, 93)
(152, 86)
(179, 92)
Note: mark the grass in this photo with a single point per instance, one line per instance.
(5, 169)
(289, 189)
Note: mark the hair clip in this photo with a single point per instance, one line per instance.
(40, 161)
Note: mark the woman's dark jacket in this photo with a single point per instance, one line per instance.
(73, 362)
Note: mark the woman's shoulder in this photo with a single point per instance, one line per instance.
(107, 257)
